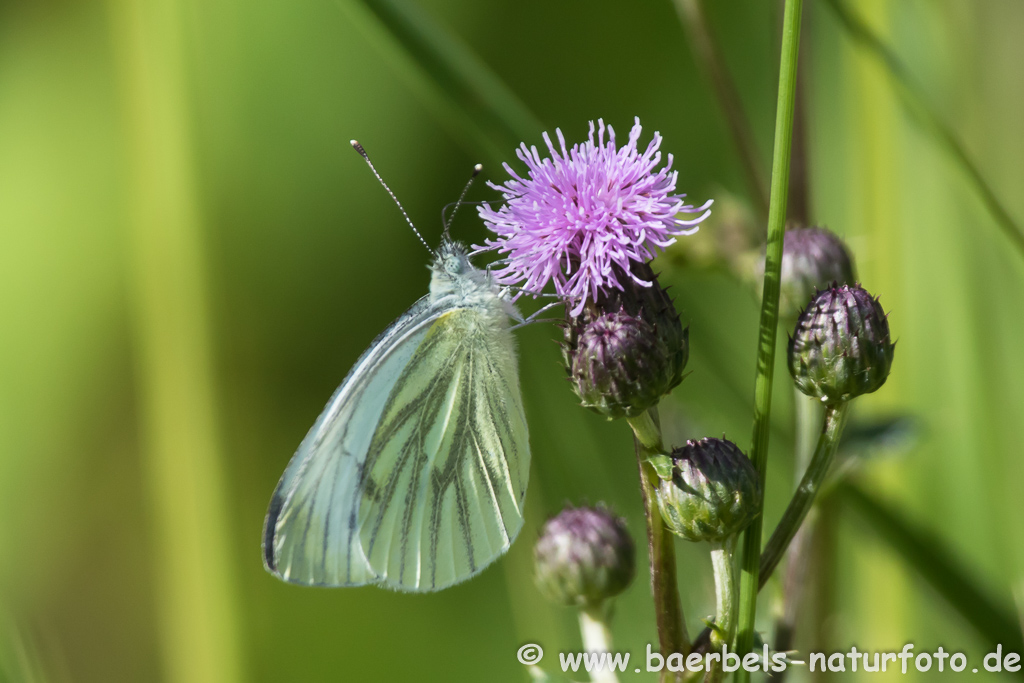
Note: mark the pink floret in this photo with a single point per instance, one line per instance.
(580, 217)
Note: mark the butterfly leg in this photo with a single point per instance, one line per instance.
(534, 317)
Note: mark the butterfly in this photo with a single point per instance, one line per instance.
(414, 475)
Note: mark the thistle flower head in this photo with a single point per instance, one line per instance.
(626, 350)
(583, 216)
(841, 347)
(711, 492)
(584, 556)
(812, 259)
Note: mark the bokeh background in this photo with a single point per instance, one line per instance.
(191, 258)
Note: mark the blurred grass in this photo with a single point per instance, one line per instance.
(168, 290)
(924, 113)
(946, 574)
(306, 260)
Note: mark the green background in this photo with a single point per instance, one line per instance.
(191, 258)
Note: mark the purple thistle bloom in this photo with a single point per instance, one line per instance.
(582, 217)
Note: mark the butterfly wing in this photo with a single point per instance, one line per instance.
(445, 475)
(415, 474)
(311, 531)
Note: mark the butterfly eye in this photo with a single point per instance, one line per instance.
(453, 264)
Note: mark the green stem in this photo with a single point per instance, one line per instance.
(725, 592)
(769, 317)
(725, 603)
(807, 417)
(803, 499)
(793, 584)
(672, 635)
(647, 431)
(597, 638)
(798, 556)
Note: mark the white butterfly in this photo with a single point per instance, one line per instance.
(414, 475)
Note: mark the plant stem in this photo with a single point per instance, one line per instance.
(803, 499)
(798, 557)
(725, 602)
(769, 318)
(807, 415)
(793, 585)
(597, 638)
(798, 205)
(672, 635)
(709, 58)
(725, 592)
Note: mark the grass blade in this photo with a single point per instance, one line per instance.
(767, 335)
(709, 57)
(921, 111)
(924, 552)
(503, 119)
(198, 623)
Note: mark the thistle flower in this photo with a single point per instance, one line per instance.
(710, 493)
(584, 556)
(583, 217)
(841, 346)
(812, 259)
(626, 350)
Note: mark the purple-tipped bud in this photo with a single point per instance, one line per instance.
(841, 346)
(627, 350)
(584, 556)
(711, 491)
(812, 259)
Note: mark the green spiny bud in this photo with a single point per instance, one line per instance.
(841, 346)
(812, 259)
(626, 350)
(584, 556)
(710, 492)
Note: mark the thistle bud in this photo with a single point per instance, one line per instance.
(841, 346)
(709, 491)
(627, 350)
(584, 556)
(812, 259)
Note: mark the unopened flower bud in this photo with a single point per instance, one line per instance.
(708, 491)
(584, 556)
(812, 259)
(627, 350)
(841, 346)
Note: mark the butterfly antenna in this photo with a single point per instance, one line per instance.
(366, 157)
(458, 203)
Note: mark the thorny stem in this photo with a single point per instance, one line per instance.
(597, 638)
(672, 636)
(749, 578)
(803, 499)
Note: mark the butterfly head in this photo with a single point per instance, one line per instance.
(451, 259)
(453, 273)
